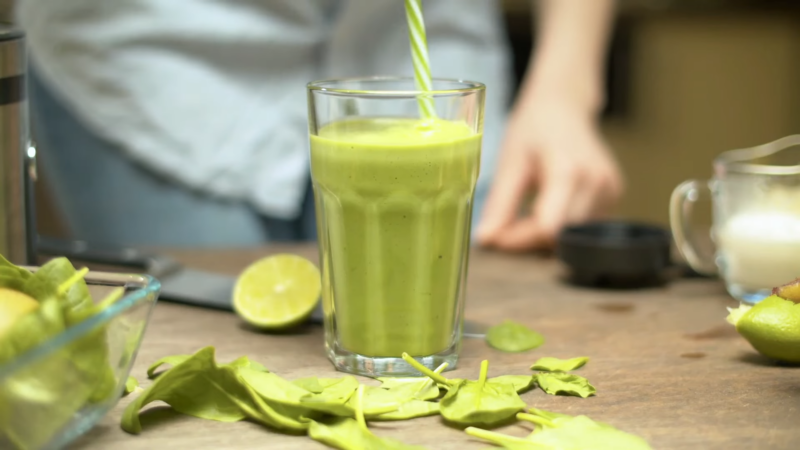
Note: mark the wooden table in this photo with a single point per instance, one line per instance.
(666, 364)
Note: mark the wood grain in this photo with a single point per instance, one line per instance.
(665, 363)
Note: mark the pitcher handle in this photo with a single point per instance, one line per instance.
(681, 204)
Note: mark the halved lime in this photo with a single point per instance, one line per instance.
(13, 305)
(277, 292)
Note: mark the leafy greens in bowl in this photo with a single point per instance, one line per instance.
(66, 354)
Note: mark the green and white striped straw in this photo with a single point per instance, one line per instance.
(419, 54)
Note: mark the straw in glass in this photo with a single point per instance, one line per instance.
(419, 55)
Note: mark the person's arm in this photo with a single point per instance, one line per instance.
(570, 51)
(552, 145)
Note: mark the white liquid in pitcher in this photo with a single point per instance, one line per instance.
(760, 250)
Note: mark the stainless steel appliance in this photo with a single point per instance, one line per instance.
(17, 153)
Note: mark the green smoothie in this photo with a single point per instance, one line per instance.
(394, 202)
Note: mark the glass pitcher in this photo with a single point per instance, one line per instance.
(755, 194)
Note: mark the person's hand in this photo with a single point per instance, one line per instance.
(554, 149)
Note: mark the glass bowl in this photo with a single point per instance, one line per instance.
(44, 403)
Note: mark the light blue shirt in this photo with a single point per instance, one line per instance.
(212, 92)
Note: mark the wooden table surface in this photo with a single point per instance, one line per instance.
(665, 363)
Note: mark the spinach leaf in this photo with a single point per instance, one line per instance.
(173, 361)
(244, 362)
(548, 419)
(338, 399)
(353, 434)
(10, 279)
(318, 385)
(512, 442)
(513, 337)
(377, 401)
(521, 383)
(563, 383)
(410, 410)
(347, 434)
(579, 432)
(549, 364)
(201, 388)
(195, 387)
(13, 271)
(313, 384)
(294, 401)
(474, 402)
(402, 397)
(283, 397)
(563, 432)
(130, 385)
(272, 388)
(333, 398)
(420, 388)
(58, 278)
(91, 352)
(549, 415)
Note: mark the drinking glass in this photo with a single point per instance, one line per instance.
(393, 195)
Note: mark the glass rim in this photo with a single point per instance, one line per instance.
(322, 86)
(736, 161)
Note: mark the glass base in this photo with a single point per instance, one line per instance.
(378, 366)
(747, 295)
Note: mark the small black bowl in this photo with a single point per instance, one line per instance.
(615, 254)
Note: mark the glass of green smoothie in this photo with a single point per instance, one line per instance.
(393, 192)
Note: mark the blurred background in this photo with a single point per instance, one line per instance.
(687, 79)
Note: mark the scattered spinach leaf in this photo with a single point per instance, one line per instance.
(547, 419)
(272, 387)
(281, 396)
(555, 383)
(512, 442)
(556, 431)
(201, 388)
(58, 278)
(378, 401)
(173, 361)
(244, 362)
(10, 279)
(420, 388)
(195, 387)
(474, 402)
(521, 383)
(333, 398)
(130, 385)
(353, 434)
(313, 384)
(549, 364)
(513, 337)
(579, 432)
(410, 410)
(14, 271)
(549, 415)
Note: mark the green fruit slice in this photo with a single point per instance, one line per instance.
(277, 292)
(772, 327)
